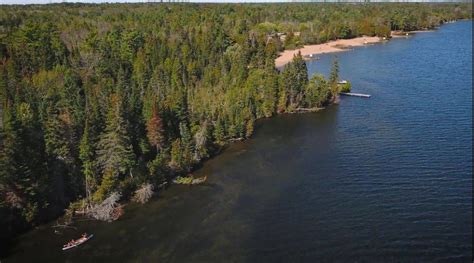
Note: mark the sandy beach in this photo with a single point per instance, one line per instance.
(338, 46)
(329, 47)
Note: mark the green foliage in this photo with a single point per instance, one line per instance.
(177, 156)
(334, 74)
(334, 79)
(219, 132)
(92, 94)
(317, 92)
(295, 79)
(114, 155)
(249, 128)
(345, 87)
(87, 156)
(158, 167)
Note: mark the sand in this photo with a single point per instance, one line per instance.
(329, 47)
(337, 46)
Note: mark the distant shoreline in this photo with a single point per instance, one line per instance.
(338, 45)
(333, 46)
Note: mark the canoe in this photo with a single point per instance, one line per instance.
(78, 242)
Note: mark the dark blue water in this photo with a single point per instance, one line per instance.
(385, 179)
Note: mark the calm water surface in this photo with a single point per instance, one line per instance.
(385, 179)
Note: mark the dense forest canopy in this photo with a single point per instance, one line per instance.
(100, 99)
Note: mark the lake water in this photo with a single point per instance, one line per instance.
(385, 179)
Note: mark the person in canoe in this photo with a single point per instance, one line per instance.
(77, 242)
(70, 243)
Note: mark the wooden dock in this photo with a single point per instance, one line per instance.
(355, 94)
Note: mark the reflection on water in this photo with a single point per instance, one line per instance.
(380, 179)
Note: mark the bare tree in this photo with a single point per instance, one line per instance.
(108, 210)
(143, 194)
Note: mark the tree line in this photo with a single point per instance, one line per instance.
(100, 99)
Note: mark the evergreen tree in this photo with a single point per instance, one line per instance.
(334, 79)
(301, 77)
(23, 179)
(317, 92)
(187, 146)
(81, 94)
(334, 75)
(58, 136)
(249, 128)
(295, 79)
(114, 154)
(87, 155)
(219, 132)
(177, 158)
(9, 145)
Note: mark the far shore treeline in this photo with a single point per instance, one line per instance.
(109, 98)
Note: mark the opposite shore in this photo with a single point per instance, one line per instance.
(339, 45)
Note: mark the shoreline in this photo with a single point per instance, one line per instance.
(339, 50)
(332, 46)
(338, 45)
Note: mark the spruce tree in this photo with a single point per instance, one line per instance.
(334, 75)
(187, 145)
(58, 136)
(87, 156)
(9, 145)
(177, 158)
(219, 132)
(301, 77)
(333, 79)
(114, 154)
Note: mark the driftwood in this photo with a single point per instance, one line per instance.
(143, 194)
(62, 226)
(67, 224)
(162, 185)
(199, 180)
(108, 210)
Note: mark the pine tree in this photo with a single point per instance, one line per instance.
(249, 128)
(23, 178)
(9, 143)
(282, 95)
(271, 89)
(114, 154)
(334, 78)
(317, 92)
(295, 79)
(289, 86)
(219, 132)
(157, 167)
(177, 158)
(187, 145)
(334, 75)
(88, 156)
(301, 77)
(58, 136)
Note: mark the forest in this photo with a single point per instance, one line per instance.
(101, 101)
